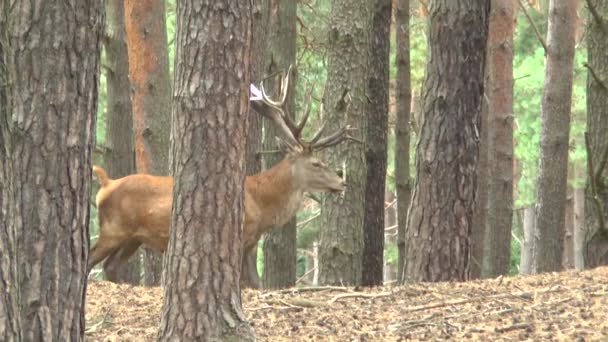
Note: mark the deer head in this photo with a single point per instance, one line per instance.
(309, 172)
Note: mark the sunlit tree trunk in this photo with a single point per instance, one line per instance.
(151, 97)
(119, 152)
(376, 149)
(49, 73)
(440, 218)
(555, 108)
(402, 127)
(202, 299)
(497, 244)
(345, 101)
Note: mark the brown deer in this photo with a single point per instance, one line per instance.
(136, 209)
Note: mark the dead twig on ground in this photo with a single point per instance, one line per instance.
(364, 295)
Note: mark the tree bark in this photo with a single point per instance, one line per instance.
(376, 148)
(249, 272)
(345, 100)
(596, 240)
(402, 127)
(49, 73)
(579, 221)
(441, 213)
(526, 261)
(280, 250)
(497, 252)
(555, 117)
(119, 154)
(202, 299)
(151, 97)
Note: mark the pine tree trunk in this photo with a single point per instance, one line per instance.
(526, 261)
(497, 252)
(202, 299)
(555, 108)
(402, 127)
(579, 221)
(376, 148)
(249, 272)
(49, 73)
(596, 241)
(280, 251)
(119, 156)
(441, 213)
(345, 100)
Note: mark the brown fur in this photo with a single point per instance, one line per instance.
(136, 209)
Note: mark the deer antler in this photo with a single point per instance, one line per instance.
(276, 111)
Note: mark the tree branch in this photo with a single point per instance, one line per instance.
(592, 183)
(596, 16)
(595, 76)
(536, 31)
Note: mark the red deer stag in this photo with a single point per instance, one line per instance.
(136, 209)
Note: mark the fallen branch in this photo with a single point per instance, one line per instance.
(513, 327)
(306, 289)
(364, 295)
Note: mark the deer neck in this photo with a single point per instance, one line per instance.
(277, 194)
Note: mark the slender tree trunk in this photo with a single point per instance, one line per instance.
(402, 127)
(596, 207)
(49, 73)
(119, 154)
(579, 221)
(151, 97)
(345, 100)
(526, 261)
(376, 149)
(249, 272)
(441, 213)
(280, 251)
(202, 299)
(568, 250)
(497, 250)
(556, 105)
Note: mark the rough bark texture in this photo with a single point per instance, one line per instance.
(202, 299)
(376, 147)
(402, 127)
(249, 272)
(497, 252)
(345, 100)
(49, 72)
(280, 251)
(596, 241)
(151, 97)
(441, 213)
(119, 156)
(555, 108)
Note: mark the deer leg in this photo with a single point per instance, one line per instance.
(249, 270)
(121, 255)
(102, 249)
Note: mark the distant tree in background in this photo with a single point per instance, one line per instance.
(151, 97)
(499, 90)
(441, 212)
(376, 148)
(402, 126)
(555, 111)
(119, 150)
(596, 212)
(345, 100)
(280, 243)
(202, 299)
(49, 74)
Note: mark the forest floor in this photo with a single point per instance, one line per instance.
(567, 306)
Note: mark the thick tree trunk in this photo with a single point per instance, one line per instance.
(249, 272)
(376, 149)
(341, 238)
(441, 214)
(596, 241)
(202, 299)
(497, 252)
(119, 156)
(402, 127)
(151, 98)
(280, 251)
(555, 108)
(49, 73)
